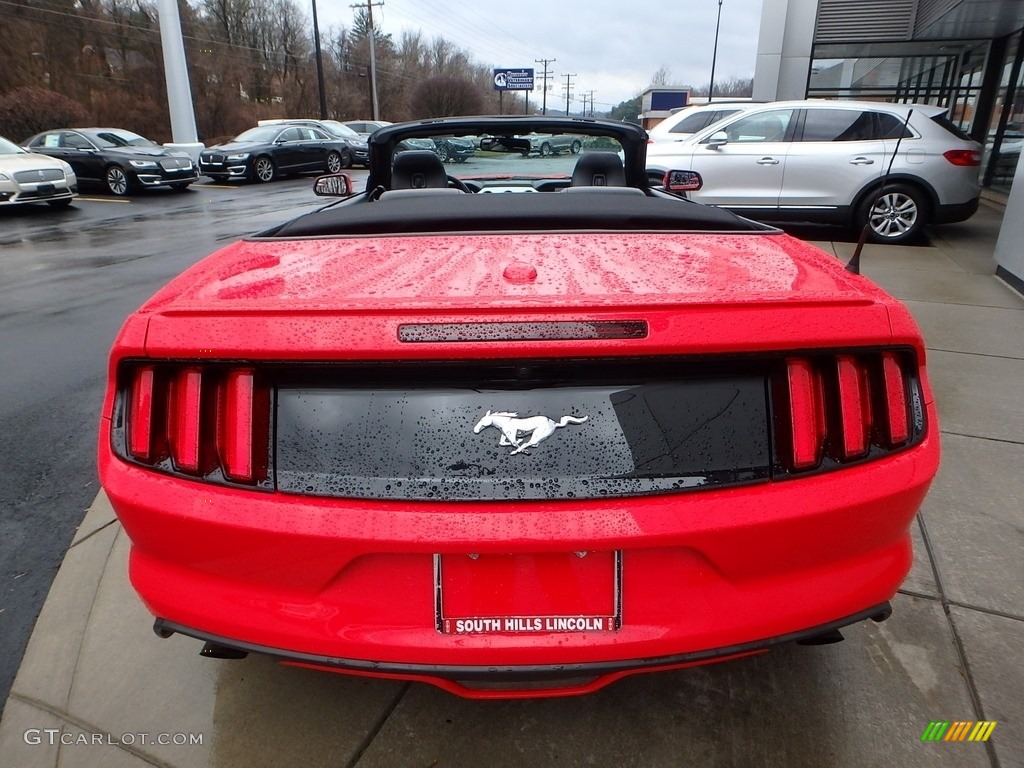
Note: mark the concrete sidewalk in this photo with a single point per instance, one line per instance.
(98, 688)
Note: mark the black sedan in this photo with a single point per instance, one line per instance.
(268, 151)
(118, 160)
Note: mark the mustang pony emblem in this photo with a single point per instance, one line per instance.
(539, 428)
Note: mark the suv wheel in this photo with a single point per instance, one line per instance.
(896, 216)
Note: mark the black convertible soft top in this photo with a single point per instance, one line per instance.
(522, 212)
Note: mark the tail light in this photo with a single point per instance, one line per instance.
(895, 413)
(963, 157)
(836, 409)
(184, 419)
(244, 425)
(207, 422)
(806, 414)
(142, 414)
(854, 407)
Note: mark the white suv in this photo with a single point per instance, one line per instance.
(826, 161)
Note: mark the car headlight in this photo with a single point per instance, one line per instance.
(143, 163)
(239, 156)
(66, 167)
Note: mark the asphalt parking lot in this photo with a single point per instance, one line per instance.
(67, 280)
(93, 666)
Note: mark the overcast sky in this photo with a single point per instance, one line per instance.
(613, 48)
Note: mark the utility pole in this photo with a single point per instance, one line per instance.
(373, 55)
(319, 66)
(544, 78)
(714, 53)
(591, 92)
(568, 91)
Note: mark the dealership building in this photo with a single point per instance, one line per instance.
(962, 54)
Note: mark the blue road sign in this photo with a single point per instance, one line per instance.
(513, 79)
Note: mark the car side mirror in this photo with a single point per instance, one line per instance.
(717, 139)
(682, 181)
(333, 185)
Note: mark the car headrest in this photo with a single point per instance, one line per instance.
(418, 169)
(774, 128)
(599, 169)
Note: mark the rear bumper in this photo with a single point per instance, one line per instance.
(950, 214)
(524, 681)
(705, 574)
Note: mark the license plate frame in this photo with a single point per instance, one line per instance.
(605, 618)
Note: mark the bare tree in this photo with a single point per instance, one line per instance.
(445, 97)
(662, 77)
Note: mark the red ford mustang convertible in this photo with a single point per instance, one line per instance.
(517, 433)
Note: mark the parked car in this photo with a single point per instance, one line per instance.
(554, 144)
(358, 154)
(825, 161)
(445, 147)
(516, 444)
(28, 177)
(267, 151)
(119, 161)
(365, 127)
(455, 149)
(689, 120)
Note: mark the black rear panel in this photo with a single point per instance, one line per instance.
(525, 431)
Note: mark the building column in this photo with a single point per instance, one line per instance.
(784, 48)
(179, 94)
(1009, 254)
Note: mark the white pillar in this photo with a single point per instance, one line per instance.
(1009, 252)
(179, 94)
(784, 48)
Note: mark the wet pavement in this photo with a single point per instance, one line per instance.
(98, 688)
(68, 278)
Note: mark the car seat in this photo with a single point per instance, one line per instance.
(598, 169)
(774, 128)
(418, 169)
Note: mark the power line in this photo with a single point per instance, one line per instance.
(438, 23)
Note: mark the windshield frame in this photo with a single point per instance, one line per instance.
(631, 138)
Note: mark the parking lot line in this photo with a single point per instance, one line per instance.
(218, 186)
(100, 200)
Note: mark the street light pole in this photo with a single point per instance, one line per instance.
(319, 66)
(714, 54)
